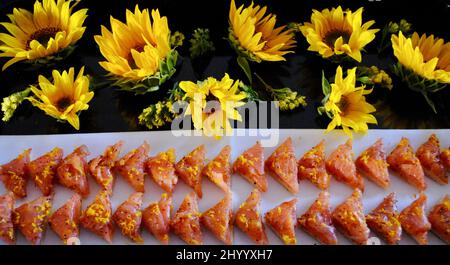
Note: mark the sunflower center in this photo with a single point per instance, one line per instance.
(63, 103)
(343, 105)
(43, 36)
(332, 36)
(211, 97)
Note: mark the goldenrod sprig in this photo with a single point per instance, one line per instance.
(374, 76)
(177, 39)
(393, 28)
(286, 98)
(157, 115)
(12, 102)
(200, 43)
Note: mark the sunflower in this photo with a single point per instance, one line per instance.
(134, 50)
(253, 33)
(50, 29)
(337, 32)
(428, 57)
(347, 106)
(213, 119)
(64, 97)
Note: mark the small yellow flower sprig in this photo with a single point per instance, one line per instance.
(286, 98)
(200, 43)
(161, 113)
(374, 76)
(393, 28)
(177, 39)
(12, 102)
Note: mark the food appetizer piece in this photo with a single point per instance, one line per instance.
(6, 218)
(403, 161)
(218, 171)
(282, 220)
(372, 163)
(218, 219)
(445, 158)
(384, 221)
(312, 167)
(186, 222)
(100, 167)
(43, 170)
(71, 172)
(250, 165)
(282, 165)
(97, 217)
(14, 174)
(429, 155)
(31, 218)
(249, 219)
(348, 217)
(317, 222)
(161, 168)
(131, 166)
(128, 217)
(156, 218)
(414, 220)
(65, 221)
(340, 164)
(190, 167)
(439, 218)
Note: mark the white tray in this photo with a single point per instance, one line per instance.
(303, 140)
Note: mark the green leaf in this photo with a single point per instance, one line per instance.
(321, 110)
(243, 63)
(326, 88)
(429, 101)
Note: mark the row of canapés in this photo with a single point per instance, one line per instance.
(73, 171)
(32, 218)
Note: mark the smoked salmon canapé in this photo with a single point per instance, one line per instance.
(340, 164)
(156, 218)
(42, 170)
(186, 221)
(282, 165)
(439, 218)
(404, 162)
(384, 220)
(317, 222)
(66, 220)
(349, 219)
(128, 217)
(429, 155)
(312, 167)
(161, 168)
(131, 166)
(31, 218)
(219, 220)
(250, 165)
(372, 164)
(190, 167)
(248, 218)
(97, 217)
(100, 168)
(72, 171)
(14, 174)
(282, 220)
(414, 220)
(7, 233)
(218, 171)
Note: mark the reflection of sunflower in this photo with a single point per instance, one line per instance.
(347, 104)
(427, 57)
(64, 97)
(253, 33)
(49, 29)
(337, 32)
(213, 119)
(134, 50)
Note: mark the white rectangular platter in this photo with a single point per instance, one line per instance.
(303, 140)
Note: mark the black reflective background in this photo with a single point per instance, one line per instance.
(112, 110)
